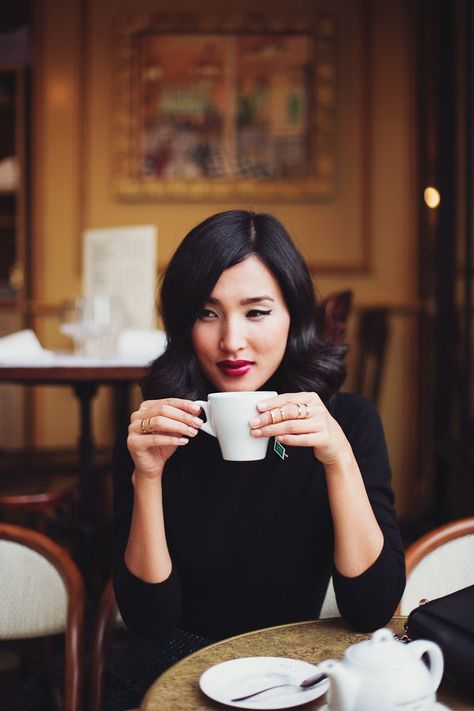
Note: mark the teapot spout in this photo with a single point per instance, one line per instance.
(343, 686)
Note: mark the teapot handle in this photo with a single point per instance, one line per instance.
(435, 655)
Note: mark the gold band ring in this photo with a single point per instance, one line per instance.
(142, 426)
(149, 428)
(300, 411)
(281, 413)
(271, 415)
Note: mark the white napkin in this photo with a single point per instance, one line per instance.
(23, 346)
(146, 344)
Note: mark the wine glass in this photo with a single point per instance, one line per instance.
(102, 319)
(73, 323)
(93, 325)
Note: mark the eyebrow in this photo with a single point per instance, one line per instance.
(244, 302)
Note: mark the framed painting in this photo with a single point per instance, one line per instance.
(208, 108)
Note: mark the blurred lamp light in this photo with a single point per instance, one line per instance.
(432, 197)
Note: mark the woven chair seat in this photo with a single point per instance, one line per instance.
(34, 597)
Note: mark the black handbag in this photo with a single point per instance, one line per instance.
(449, 621)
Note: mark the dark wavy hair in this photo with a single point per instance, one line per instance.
(220, 242)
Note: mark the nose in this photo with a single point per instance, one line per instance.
(232, 337)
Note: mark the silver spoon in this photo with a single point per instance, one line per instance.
(308, 683)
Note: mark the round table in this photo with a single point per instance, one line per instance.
(178, 687)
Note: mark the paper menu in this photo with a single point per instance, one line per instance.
(120, 262)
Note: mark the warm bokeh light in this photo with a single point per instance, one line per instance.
(60, 92)
(432, 197)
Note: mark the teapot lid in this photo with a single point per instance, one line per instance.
(381, 649)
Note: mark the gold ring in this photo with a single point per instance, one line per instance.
(271, 415)
(300, 411)
(281, 413)
(149, 428)
(142, 425)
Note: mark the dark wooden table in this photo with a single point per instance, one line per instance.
(178, 687)
(85, 380)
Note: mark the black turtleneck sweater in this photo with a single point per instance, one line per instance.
(252, 542)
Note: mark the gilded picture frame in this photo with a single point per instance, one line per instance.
(209, 108)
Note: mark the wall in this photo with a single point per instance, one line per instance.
(73, 96)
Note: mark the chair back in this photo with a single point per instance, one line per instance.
(439, 563)
(108, 616)
(43, 594)
(371, 339)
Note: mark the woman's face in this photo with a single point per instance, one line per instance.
(240, 337)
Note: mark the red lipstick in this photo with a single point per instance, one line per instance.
(235, 367)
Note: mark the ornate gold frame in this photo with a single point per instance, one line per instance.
(127, 184)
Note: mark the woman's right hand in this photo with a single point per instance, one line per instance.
(157, 429)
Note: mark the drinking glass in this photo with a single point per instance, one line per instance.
(93, 323)
(72, 323)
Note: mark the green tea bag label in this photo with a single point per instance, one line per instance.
(280, 450)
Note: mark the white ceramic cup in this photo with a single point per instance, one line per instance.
(228, 416)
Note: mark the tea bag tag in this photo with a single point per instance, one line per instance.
(279, 449)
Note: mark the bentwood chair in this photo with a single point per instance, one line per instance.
(439, 563)
(107, 618)
(42, 594)
(372, 337)
(36, 497)
(40, 488)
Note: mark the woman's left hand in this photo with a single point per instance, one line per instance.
(302, 420)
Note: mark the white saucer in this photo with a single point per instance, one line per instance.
(238, 677)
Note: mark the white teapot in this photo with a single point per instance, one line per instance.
(383, 674)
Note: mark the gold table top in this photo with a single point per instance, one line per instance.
(177, 689)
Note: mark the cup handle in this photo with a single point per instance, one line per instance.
(206, 427)
(435, 655)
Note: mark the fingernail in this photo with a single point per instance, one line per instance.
(197, 421)
(255, 422)
(256, 433)
(262, 405)
(195, 407)
(183, 440)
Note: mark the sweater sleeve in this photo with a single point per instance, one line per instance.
(369, 600)
(150, 610)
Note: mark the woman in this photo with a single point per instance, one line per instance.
(215, 548)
